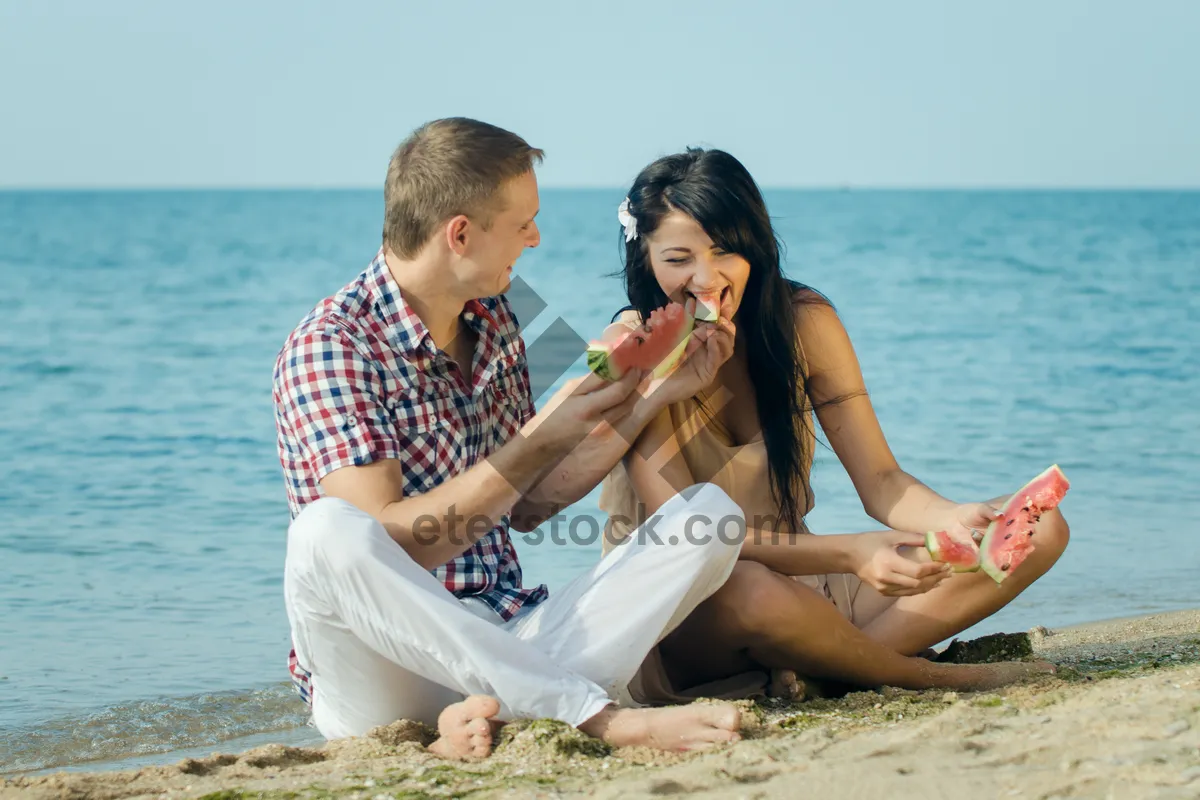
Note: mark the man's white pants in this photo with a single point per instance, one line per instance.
(385, 640)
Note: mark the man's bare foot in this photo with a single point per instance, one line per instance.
(465, 729)
(785, 685)
(691, 727)
(981, 677)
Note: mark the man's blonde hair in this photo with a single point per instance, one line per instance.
(445, 168)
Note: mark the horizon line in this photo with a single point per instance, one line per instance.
(101, 188)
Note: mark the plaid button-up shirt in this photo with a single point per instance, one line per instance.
(360, 379)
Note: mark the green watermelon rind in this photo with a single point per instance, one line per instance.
(598, 362)
(985, 561)
(598, 355)
(668, 364)
(931, 546)
(989, 567)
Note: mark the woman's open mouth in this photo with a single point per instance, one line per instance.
(708, 304)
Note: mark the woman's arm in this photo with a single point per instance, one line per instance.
(888, 493)
(657, 472)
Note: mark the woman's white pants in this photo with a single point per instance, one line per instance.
(385, 640)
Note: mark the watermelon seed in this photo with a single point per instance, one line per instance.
(1008, 536)
(1005, 568)
(1010, 522)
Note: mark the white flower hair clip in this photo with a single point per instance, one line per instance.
(627, 220)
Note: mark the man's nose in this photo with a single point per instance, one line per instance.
(535, 237)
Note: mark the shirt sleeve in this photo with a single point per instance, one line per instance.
(331, 399)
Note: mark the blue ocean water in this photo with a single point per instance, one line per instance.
(142, 510)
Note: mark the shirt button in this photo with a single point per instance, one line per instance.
(350, 420)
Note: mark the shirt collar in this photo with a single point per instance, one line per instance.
(406, 329)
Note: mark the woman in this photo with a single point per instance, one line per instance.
(854, 607)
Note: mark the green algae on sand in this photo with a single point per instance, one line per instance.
(988, 649)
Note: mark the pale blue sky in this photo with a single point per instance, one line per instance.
(916, 94)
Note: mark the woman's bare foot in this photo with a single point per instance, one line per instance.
(691, 727)
(465, 729)
(981, 677)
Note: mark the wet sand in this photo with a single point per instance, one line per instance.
(1121, 719)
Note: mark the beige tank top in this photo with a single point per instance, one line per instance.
(740, 470)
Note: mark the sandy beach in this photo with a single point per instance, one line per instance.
(1121, 719)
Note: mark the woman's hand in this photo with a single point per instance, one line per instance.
(877, 561)
(709, 346)
(972, 519)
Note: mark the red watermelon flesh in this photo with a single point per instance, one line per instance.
(957, 550)
(708, 306)
(658, 344)
(1009, 540)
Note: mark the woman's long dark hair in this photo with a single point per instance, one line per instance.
(713, 188)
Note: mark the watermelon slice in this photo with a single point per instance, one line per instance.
(708, 306)
(658, 344)
(1009, 540)
(957, 550)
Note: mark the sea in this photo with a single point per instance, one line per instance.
(142, 508)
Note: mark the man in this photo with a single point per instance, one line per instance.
(409, 443)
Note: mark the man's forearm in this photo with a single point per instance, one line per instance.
(592, 459)
(441, 524)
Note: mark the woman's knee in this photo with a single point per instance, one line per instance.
(753, 597)
(1052, 532)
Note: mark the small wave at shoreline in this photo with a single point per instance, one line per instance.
(150, 726)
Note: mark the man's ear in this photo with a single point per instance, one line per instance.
(456, 233)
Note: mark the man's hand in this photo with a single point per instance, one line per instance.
(580, 406)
